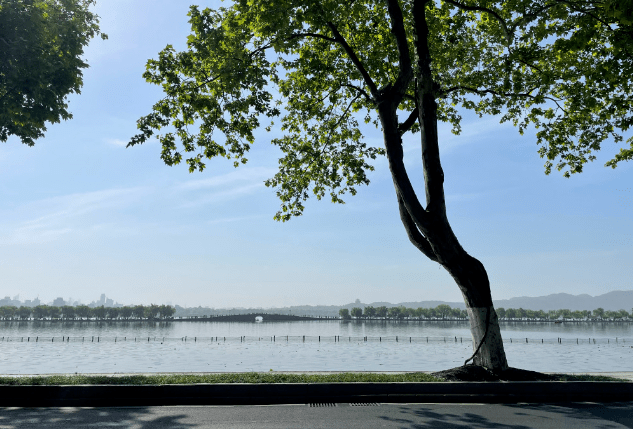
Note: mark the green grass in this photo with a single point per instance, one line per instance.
(247, 377)
(570, 377)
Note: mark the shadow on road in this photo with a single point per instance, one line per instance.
(621, 412)
(514, 416)
(72, 417)
(453, 419)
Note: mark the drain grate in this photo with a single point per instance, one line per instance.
(364, 404)
(322, 404)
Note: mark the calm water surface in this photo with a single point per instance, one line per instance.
(91, 347)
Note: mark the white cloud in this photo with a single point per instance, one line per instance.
(32, 234)
(233, 185)
(224, 195)
(58, 216)
(116, 142)
(242, 174)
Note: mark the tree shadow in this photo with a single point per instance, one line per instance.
(82, 417)
(514, 416)
(429, 418)
(616, 412)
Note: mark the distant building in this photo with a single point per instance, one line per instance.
(109, 303)
(8, 301)
(59, 302)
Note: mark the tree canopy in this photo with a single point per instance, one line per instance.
(318, 66)
(41, 44)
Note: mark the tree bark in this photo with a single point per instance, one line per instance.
(428, 227)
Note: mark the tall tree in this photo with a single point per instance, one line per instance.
(40, 312)
(370, 311)
(24, 312)
(41, 44)
(320, 65)
(82, 311)
(126, 312)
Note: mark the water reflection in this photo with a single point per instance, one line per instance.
(330, 327)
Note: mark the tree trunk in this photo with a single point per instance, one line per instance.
(428, 227)
(472, 279)
(491, 353)
(429, 230)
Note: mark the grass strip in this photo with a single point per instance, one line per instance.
(246, 377)
(584, 377)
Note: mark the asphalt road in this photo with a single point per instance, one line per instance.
(343, 415)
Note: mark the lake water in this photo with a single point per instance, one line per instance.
(120, 347)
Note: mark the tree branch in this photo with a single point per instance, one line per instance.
(406, 125)
(572, 5)
(404, 189)
(340, 119)
(526, 18)
(504, 26)
(427, 115)
(361, 90)
(332, 128)
(397, 27)
(355, 60)
(504, 94)
(315, 35)
(416, 238)
(532, 66)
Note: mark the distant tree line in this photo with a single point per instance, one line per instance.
(445, 312)
(83, 312)
(597, 314)
(304, 310)
(441, 312)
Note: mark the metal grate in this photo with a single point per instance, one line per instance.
(364, 404)
(322, 404)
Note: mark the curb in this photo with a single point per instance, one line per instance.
(304, 393)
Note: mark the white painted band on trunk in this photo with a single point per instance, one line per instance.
(477, 316)
(487, 340)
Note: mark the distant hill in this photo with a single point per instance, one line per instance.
(609, 301)
(616, 300)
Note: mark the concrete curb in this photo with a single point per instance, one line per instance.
(304, 393)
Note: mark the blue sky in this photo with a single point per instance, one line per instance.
(81, 215)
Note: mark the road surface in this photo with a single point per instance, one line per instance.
(342, 415)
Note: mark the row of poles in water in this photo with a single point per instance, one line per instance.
(336, 338)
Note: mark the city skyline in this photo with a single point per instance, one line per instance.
(614, 301)
(82, 215)
(58, 302)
